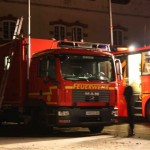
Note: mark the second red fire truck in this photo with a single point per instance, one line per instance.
(136, 72)
(71, 84)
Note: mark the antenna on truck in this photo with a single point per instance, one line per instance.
(9, 58)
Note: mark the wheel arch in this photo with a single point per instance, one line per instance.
(34, 103)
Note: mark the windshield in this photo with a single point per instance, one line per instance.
(85, 67)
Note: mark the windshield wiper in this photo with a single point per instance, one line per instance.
(83, 78)
(76, 78)
(98, 79)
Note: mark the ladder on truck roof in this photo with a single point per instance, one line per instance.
(8, 60)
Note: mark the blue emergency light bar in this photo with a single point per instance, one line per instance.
(85, 45)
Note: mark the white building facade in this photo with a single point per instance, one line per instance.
(77, 20)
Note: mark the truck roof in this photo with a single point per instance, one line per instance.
(125, 50)
(88, 48)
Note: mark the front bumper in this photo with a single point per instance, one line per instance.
(80, 117)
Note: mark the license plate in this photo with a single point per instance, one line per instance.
(89, 113)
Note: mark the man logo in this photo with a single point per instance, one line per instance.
(91, 93)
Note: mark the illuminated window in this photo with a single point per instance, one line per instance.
(8, 29)
(59, 32)
(146, 63)
(118, 37)
(77, 33)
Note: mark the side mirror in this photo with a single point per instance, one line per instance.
(118, 69)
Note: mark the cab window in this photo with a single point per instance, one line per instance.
(47, 67)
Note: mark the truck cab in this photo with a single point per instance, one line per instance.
(66, 84)
(73, 85)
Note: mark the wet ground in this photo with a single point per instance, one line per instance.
(16, 137)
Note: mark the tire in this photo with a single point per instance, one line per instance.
(148, 111)
(96, 129)
(39, 119)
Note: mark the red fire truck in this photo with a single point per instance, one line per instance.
(71, 84)
(136, 72)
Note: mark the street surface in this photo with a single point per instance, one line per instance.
(111, 138)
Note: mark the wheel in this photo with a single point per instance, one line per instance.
(38, 119)
(96, 129)
(148, 111)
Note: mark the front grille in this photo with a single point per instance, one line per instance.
(90, 96)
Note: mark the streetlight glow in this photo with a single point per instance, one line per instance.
(131, 48)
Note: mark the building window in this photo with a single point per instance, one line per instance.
(77, 33)
(118, 37)
(59, 32)
(8, 29)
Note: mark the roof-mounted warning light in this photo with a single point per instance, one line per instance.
(85, 45)
(122, 49)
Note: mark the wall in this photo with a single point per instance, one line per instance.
(133, 18)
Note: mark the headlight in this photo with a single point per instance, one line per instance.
(63, 113)
(115, 112)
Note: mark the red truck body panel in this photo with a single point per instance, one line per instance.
(16, 89)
